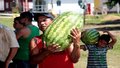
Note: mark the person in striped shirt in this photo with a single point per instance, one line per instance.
(97, 52)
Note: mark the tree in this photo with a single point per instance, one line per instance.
(111, 3)
(81, 4)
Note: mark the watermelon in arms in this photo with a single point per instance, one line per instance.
(59, 31)
(90, 36)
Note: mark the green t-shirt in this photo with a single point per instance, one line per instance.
(23, 51)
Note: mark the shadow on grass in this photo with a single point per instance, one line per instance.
(117, 21)
(115, 27)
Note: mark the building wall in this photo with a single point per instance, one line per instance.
(6, 5)
(2, 5)
(67, 5)
(72, 5)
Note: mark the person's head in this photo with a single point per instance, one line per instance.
(17, 24)
(103, 40)
(26, 17)
(44, 20)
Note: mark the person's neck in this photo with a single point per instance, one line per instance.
(29, 23)
(100, 46)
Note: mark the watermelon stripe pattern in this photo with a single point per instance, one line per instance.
(90, 36)
(59, 31)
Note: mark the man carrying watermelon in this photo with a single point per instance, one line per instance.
(51, 56)
(98, 51)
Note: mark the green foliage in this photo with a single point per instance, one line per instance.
(112, 3)
(81, 4)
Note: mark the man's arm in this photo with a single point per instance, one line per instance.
(38, 58)
(10, 56)
(111, 44)
(34, 49)
(74, 52)
(37, 55)
(74, 49)
(83, 47)
(13, 48)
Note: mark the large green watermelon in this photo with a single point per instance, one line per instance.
(90, 36)
(59, 31)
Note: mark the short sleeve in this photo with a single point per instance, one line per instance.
(109, 47)
(85, 47)
(89, 47)
(13, 40)
(39, 42)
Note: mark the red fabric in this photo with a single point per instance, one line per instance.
(57, 60)
(88, 8)
(38, 40)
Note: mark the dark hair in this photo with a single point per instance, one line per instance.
(48, 15)
(26, 15)
(18, 19)
(105, 37)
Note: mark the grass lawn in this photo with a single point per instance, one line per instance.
(113, 56)
(96, 19)
(8, 21)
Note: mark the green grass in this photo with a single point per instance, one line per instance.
(117, 45)
(93, 19)
(96, 19)
(7, 21)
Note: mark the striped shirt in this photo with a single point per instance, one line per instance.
(96, 57)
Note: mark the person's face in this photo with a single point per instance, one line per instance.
(43, 22)
(24, 20)
(17, 25)
(102, 43)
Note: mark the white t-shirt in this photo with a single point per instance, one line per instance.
(7, 40)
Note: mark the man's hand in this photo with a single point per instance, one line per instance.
(76, 35)
(54, 48)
